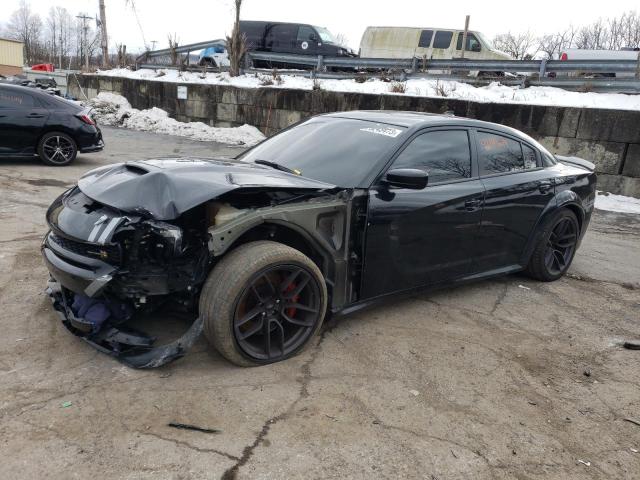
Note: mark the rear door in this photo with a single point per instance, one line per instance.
(518, 188)
(22, 118)
(423, 237)
(442, 44)
(282, 37)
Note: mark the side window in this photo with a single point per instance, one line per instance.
(282, 35)
(473, 45)
(530, 157)
(442, 39)
(425, 38)
(444, 154)
(12, 99)
(498, 154)
(305, 33)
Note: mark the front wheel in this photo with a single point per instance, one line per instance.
(263, 303)
(57, 149)
(556, 244)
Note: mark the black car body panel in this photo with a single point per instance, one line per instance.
(142, 232)
(26, 114)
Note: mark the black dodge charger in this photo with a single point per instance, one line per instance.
(329, 216)
(33, 121)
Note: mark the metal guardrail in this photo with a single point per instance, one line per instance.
(193, 47)
(403, 69)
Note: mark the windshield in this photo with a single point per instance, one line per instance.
(325, 35)
(339, 151)
(485, 41)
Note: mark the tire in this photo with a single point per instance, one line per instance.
(554, 248)
(259, 277)
(57, 149)
(208, 62)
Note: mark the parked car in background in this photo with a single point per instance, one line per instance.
(214, 56)
(34, 122)
(429, 43)
(329, 216)
(584, 54)
(299, 38)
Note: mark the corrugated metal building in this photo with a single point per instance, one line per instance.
(11, 59)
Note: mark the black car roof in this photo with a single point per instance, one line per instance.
(415, 120)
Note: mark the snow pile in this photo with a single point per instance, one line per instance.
(419, 87)
(617, 203)
(112, 109)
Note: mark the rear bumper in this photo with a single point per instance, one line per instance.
(91, 142)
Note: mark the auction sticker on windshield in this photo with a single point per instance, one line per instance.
(386, 131)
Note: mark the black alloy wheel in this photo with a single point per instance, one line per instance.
(277, 312)
(555, 245)
(57, 149)
(561, 246)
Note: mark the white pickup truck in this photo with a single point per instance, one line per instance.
(584, 54)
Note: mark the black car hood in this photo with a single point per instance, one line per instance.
(166, 188)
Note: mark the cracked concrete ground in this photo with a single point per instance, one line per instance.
(490, 380)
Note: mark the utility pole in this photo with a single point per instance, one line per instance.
(104, 39)
(464, 35)
(85, 28)
(153, 44)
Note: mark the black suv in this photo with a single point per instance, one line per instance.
(297, 38)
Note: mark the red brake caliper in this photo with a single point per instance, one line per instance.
(291, 311)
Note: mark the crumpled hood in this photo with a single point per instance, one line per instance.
(166, 188)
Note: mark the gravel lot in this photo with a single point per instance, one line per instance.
(502, 379)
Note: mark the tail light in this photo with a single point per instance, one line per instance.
(564, 56)
(86, 119)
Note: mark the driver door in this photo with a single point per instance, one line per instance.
(423, 237)
(307, 41)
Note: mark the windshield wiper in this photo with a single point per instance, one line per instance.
(277, 166)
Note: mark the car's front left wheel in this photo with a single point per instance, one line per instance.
(263, 303)
(57, 149)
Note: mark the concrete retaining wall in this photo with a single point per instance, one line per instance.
(608, 138)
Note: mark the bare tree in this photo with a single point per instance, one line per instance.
(553, 44)
(341, 39)
(236, 43)
(173, 44)
(518, 45)
(59, 35)
(26, 26)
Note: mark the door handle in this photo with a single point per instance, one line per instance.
(471, 205)
(544, 187)
(35, 115)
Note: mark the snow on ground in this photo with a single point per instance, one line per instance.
(112, 109)
(494, 93)
(617, 203)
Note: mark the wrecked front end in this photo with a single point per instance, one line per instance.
(107, 266)
(112, 263)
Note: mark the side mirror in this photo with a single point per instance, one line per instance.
(475, 47)
(411, 178)
(313, 37)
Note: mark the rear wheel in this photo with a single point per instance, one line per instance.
(57, 149)
(556, 244)
(263, 303)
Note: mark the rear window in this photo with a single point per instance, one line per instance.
(425, 38)
(442, 40)
(340, 151)
(498, 154)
